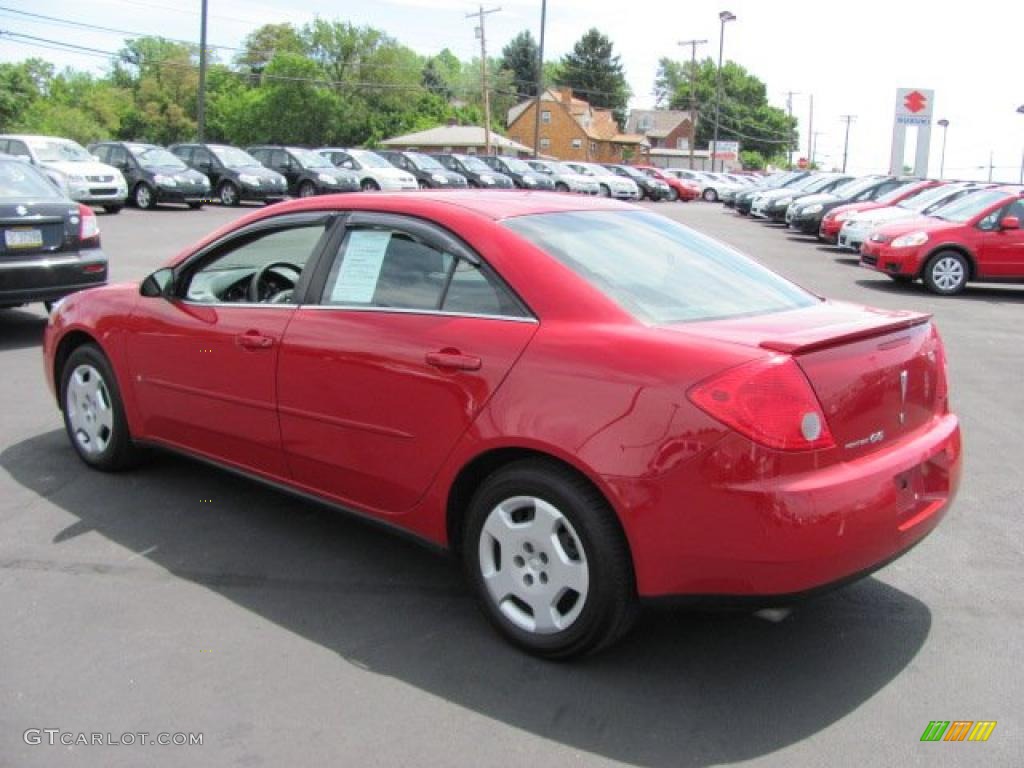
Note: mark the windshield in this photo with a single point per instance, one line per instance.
(21, 181)
(471, 163)
(593, 170)
(232, 157)
(969, 206)
(890, 197)
(309, 159)
(517, 165)
(817, 184)
(369, 159)
(929, 197)
(59, 151)
(541, 167)
(854, 188)
(155, 157)
(424, 162)
(657, 270)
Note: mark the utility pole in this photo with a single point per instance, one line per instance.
(201, 105)
(789, 110)
(991, 155)
(810, 133)
(814, 146)
(846, 142)
(540, 79)
(693, 92)
(482, 34)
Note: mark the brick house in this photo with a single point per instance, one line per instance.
(571, 129)
(663, 128)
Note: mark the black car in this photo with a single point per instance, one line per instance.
(428, 172)
(745, 199)
(234, 174)
(153, 174)
(308, 173)
(522, 175)
(807, 216)
(775, 209)
(49, 244)
(477, 172)
(651, 188)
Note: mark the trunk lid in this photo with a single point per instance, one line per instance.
(36, 227)
(878, 374)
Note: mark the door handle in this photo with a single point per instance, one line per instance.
(454, 360)
(254, 340)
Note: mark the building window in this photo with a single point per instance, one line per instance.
(655, 142)
(645, 124)
(682, 143)
(577, 143)
(545, 116)
(545, 143)
(593, 146)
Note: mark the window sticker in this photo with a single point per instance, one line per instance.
(360, 268)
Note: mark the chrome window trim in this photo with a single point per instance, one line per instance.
(408, 311)
(244, 304)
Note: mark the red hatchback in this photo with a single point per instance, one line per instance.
(588, 402)
(680, 189)
(975, 238)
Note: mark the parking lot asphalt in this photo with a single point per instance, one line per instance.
(180, 598)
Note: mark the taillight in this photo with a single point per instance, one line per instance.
(941, 373)
(89, 226)
(769, 401)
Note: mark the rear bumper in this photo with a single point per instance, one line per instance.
(804, 531)
(52, 277)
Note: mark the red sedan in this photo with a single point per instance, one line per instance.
(680, 189)
(977, 237)
(833, 221)
(588, 402)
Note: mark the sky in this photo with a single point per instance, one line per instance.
(851, 56)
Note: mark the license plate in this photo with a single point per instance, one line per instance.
(23, 238)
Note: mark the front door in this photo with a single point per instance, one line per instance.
(204, 361)
(378, 379)
(1001, 251)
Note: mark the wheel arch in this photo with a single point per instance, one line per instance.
(476, 470)
(972, 265)
(68, 343)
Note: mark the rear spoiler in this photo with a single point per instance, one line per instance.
(813, 339)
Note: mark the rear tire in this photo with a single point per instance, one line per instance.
(710, 195)
(561, 186)
(307, 189)
(94, 412)
(605, 192)
(195, 206)
(369, 185)
(144, 197)
(548, 561)
(673, 195)
(228, 194)
(113, 210)
(946, 273)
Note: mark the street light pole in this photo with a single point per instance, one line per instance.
(693, 92)
(944, 123)
(201, 102)
(723, 17)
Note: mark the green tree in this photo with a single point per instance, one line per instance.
(163, 79)
(752, 160)
(594, 72)
(433, 80)
(521, 57)
(260, 45)
(745, 114)
(290, 108)
(21, 85)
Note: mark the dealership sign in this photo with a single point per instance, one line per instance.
(727, 150)
(914, 106)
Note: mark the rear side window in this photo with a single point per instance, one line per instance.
(659, 271)
(388, 269)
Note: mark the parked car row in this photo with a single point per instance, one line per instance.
(944, 233)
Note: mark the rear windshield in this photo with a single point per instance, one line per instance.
(19, 181)
(659, 271)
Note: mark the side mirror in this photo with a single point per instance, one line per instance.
(158, 284)
(1009, 222)
(24, 158)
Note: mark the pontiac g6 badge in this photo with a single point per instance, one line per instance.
(904, 376)
(874, 437)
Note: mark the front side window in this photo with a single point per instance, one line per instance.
(263, 267)
(659, 271)
(969, 206)
(384, 268)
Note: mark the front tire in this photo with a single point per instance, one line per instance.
(144, 197)
(369, 185)
(673, 195)
(94, 412)
(113, 210)
(307, 189)
(946, 273)
(605, 192)
(228, 194)
(547, 560)
(710, 195)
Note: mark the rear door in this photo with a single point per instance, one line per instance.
(406, 337)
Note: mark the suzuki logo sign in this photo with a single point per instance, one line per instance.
(915, 101)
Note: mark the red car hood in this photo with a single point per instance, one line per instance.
(916, 224)
(855, 207)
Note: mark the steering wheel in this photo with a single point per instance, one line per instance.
(257, 279)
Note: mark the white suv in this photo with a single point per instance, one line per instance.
(79, 175)
(373, 170)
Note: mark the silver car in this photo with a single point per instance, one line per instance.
(609, 184)
(69, 165)
(565, 178)
(374, 171)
